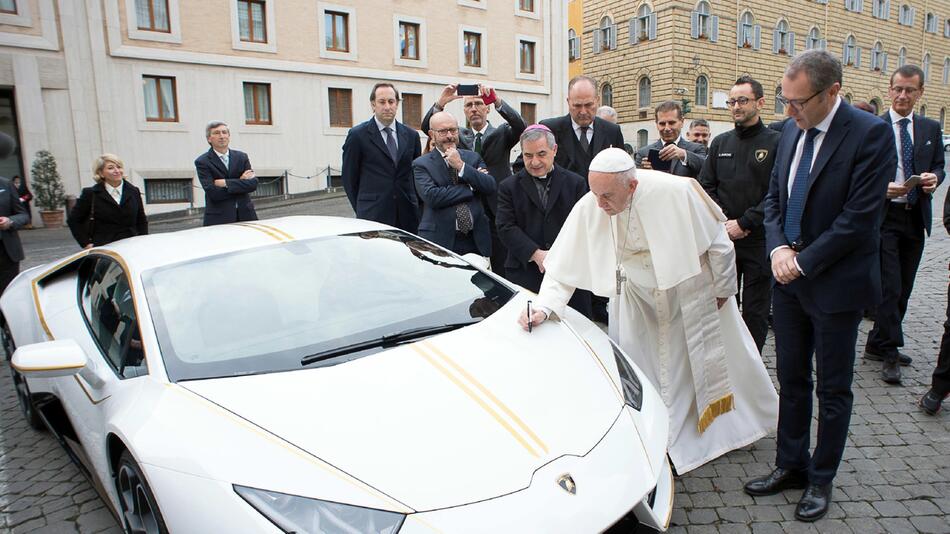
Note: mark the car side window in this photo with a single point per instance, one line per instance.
(106, 300)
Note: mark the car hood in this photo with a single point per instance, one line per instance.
(453, 419)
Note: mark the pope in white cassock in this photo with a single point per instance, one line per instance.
(657, 246)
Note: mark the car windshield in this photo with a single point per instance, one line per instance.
(273, 308)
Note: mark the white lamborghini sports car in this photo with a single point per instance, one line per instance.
(329, 375)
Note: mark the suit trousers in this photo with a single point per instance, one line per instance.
(464, 244)
(8, 268)
(902, 245)
(755, 283)
(941, 376)
(802, 330)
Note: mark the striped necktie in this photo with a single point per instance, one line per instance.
(796, 199)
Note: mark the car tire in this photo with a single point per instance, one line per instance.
(30, 413)
(138, 508)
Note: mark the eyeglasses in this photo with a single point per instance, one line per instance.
(797, 105)
(447, 131)
(742, 100)
(909, 91)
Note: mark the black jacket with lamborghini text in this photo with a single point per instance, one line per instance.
(736, 174)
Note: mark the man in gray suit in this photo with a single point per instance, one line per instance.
(492, 143)
(685, 157)
(12, 216)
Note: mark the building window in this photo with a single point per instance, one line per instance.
(854, 5)
(923, 110)
(150, 15)
(642, 138)
(779, 108)
(881, 9)
(930, 23)
(408, 40)
(702, 91)
(749, 34)
(412, 110)
(849, 52)
(643, 26)
(526, 57)
(251, 21)
(338, 31)
(526, 5)
(9, 7)
(847, 98)
(878, 57)
(783, 41)
(946, 71)
(573, 45)
(528, 111)
(168, 190)
(607, 95)
(340, 102)
(257, 103)
(906, 15)
(902, 57)
(814, 41)
(268, 186)
(605, 36)
(473, 49)
(643, 92)
(876, 104)
(943, 117)
(161, 103)
(925, 66)
(946, 28)
(702, 24)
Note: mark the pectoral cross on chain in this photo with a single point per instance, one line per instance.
(621, 278)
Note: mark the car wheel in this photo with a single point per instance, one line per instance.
(23, 396)
(140, 513)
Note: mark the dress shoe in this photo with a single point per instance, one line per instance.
(931, 402)
(776, 482)
(814, 503)
(877, 357)
(891, 372)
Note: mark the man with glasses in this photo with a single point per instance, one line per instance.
(919, 147)
(736, 175)
(452, 183)
(822, 230)
(685, 157)
(377, 164)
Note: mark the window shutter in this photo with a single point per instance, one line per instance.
(775, 41)
(823, 44)
(613, 36)
(857, 56)
(913, 15)
(694, 25)
(713, 28)
(652, 30)
(739, 35)
(757, 39)
(633, 37)
(844, 53)
(884, 62)
(597, 40)
(791, 43)
(859, 5)
(887, 10)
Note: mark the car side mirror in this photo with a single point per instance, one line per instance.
(49, 359)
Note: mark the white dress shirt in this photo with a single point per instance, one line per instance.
(899, 177)
(823, 128)
(115, 192)
(577, 131)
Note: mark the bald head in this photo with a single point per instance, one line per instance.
(443, 130)
(582, 100)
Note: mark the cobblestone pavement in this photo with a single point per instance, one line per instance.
(895, 476)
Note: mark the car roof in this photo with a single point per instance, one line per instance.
(146, 252)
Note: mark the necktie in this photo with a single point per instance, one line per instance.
(907, 158)
(585, 144)
(463, 214)
(796, 200)
(478, 143)
(224, 159)
(391, 143)
(115, 195)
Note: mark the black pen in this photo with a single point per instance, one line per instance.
(529, 316)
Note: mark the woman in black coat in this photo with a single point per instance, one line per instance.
(112, 209)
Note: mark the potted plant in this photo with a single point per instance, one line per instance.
(48, 189)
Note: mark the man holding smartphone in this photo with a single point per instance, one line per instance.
(671, 153)
(919, 171)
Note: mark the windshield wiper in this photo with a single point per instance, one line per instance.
(389, 340)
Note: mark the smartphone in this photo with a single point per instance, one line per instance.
(913, 181)
(467, 90)
(658, 164)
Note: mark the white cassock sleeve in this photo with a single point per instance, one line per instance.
(554, 296)
(722, 263)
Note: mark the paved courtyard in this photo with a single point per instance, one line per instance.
(895, 476)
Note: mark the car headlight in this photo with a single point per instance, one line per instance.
(304, 515)
(629, 381)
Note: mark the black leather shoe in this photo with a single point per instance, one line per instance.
(814, 503)
(891, 372)
(877, 357)
(931, 402)
(776, 482)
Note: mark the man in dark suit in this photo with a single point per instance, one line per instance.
(227, 178)
(377, 164)
(532, 206)
(686, 157)
(492, 143)
(581, 135)
(13, 216)
(452, 183)
(907, 218)
(822, 220)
